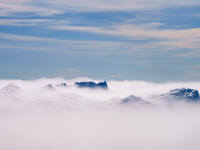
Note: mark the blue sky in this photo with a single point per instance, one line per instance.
(114, 39)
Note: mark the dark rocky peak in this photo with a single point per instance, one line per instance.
(92, 84)
(132, 99)
(183, 94)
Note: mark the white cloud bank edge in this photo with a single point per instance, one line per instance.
(154, 128)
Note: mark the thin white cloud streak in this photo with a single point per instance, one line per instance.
(163, 39)
(44, 22)
(138, 32)
(10, 8)
(185, 38)
(16, 37)
(45, 44)
(24, 22)
(33, 117)
(119, 5)
(171, 38)
(50, 7)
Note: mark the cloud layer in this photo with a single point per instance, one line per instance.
(35, 116)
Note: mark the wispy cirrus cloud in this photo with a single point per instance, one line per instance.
(34, 43)
(119, 5)
(138, 31)
(170, 38)
(156, 37)
(50, 7)
(11, 7)
(24, 22)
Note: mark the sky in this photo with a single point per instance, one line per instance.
(151, 40)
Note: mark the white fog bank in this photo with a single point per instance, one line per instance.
(35, 116)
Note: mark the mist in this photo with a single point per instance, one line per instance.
(35, 116)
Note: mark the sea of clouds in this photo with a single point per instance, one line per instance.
(34, 116)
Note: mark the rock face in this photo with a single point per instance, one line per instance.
(91, 84)
(132, 99)
(184, 94)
